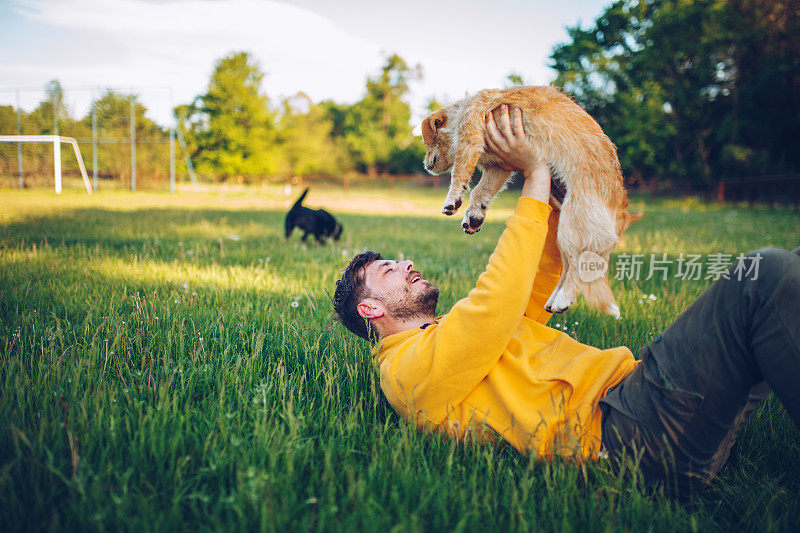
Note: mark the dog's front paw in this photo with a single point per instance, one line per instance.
(451, 206)
(473, 220)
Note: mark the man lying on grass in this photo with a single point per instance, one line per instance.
(491, 366)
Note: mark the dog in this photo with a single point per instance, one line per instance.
(317, 222)
(582, 159)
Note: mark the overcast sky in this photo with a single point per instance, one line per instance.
(326, 48)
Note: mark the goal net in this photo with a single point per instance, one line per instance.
(56, 140)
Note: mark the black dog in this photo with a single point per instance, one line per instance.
(318, 222)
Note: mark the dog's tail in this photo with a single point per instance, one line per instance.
(299, 201)
(625, 219)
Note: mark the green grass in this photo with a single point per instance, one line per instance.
(169, 362)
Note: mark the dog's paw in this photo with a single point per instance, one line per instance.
(451, 206)
(549, 303)
(471, 223)
(559, 302)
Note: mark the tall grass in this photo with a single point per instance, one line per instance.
(169, 362)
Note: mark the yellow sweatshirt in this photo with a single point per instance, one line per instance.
(491, 365)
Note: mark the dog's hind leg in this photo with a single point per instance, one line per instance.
(568, 289)
(574, 240)
(492, 182)
(548, 306)
(598, 294)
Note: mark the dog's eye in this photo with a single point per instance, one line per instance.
(439, 122)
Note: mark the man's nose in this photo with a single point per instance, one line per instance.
(408, 265)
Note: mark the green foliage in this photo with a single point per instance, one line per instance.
(171, 365)
(514, 80)
(697, 89)
(234, 131)
(306, 140)
(377, 129)
(232, 126)
(113, 115)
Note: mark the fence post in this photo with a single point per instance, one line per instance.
(94, 142)
(172, 146)
(721, 191)
(19, 145)
(133, 144)
(55, 113)
(57, 162)
(172, 160)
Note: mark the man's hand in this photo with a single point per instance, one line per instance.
(508, 141)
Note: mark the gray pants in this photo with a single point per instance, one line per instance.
(679, 412)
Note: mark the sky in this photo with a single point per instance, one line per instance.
(165, 50)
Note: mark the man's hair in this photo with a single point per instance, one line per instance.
(350, 291)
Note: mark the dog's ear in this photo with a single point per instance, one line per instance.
(433, 122)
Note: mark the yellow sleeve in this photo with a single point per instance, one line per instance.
(468, 341)
(548, 275)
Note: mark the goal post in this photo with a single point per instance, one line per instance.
(56, 140)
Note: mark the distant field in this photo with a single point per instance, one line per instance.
(169, 362)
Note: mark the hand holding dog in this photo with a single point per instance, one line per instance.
(508, 141)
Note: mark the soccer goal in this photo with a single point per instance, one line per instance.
(56, 140)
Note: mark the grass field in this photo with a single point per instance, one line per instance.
(169, 363)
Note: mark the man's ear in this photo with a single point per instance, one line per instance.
(433, 122)
(370, 308)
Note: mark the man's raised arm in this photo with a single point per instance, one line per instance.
(470, 339)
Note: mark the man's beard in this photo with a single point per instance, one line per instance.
(423, 303)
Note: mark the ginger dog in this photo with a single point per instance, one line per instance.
(594, 211)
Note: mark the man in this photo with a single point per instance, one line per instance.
(491, 366)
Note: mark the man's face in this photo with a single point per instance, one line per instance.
(401, 288)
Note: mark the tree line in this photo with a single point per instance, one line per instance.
(235, 131)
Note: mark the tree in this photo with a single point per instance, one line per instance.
(51, 115)
(232, 128)
(304, 134)
(698, 89)
(376, 129)
(113, 114)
